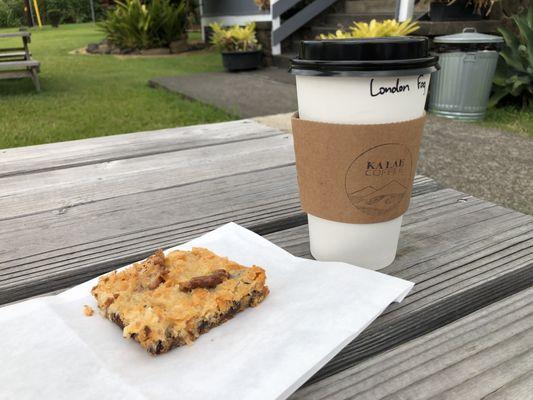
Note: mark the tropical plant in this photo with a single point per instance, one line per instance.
(169, 20)
(388, 27)
(513, 80)
(134, 25)
(235, 38)
(54, 17)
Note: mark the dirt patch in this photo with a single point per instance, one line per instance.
(177, 47)
(83, 51)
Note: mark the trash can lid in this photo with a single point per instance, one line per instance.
(469, 35)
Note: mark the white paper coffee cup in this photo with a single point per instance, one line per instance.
(370, 92)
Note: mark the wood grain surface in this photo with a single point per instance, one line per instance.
(73, 210)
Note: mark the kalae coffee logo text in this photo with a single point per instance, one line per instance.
(376, 90)
(388, 167)
(377, 180)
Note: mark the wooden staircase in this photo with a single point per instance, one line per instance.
(339, 16)
(342, 13)
(348, 11)
(353, 10)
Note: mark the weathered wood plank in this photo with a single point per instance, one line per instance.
(36, 251)
(461, 257)
(13, 65)
(519, 388)
(69, 187)
(488, 354)
(61, 155)
(15, 34)
(14, 54)
(56, 249)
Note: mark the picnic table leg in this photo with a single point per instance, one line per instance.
(25, 40)
(35, 79)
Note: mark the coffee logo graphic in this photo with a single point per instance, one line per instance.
(378, 179)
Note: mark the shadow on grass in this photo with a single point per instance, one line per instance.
(18, 86)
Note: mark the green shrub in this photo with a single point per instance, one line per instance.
(54, 17)
(513, 81)
(11, 13)
(134, 25)
(73, 11)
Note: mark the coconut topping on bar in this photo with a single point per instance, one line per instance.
(168, 301)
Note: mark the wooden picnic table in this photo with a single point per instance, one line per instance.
(17, 62)
(70, 211)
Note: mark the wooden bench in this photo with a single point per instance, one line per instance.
(17, 62)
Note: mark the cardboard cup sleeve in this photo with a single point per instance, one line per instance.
(359, 174)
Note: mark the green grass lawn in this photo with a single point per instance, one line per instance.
(510, 119)
(95, 95)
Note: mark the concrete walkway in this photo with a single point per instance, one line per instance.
(244, 94)
(487, 163)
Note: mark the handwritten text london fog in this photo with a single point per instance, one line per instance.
(397, 88)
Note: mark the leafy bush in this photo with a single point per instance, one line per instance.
(513, 81)
(388, 27)
(133, 25)
(234, 38)
(11, 13)
(73, 11)
(54, 17)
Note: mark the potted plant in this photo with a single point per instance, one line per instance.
(459, 10)
(54, 16)
(238, 45)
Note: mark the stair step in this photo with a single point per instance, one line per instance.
(346, 19)
(376, 6)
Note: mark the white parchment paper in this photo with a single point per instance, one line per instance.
(50, 350)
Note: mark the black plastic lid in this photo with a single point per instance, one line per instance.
(373, 56)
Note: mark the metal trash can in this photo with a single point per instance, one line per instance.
(461, 88)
